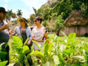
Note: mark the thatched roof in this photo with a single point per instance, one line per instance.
(77, 18)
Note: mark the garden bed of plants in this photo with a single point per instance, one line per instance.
(57, 51)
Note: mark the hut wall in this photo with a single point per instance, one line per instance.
(79, 30)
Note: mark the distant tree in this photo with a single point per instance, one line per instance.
(13, 15)
(32, 18)
(47, 14)
(7, 17)
(45, 23)
(59, 24)
(10, 14)
(19, 13)
(40, 12)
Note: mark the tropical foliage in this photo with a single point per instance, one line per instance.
(20, 49)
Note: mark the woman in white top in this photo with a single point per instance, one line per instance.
(38, 33)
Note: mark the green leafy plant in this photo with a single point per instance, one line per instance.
(20, 48)
(2, 55)
(45, 53)
(3, 63)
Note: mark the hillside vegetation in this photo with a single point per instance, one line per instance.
(54, 12)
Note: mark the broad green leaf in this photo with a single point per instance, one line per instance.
(56, 60)
(72, 36)
(17, 42)
(50, 46)
(86, 45)
(61, 59)
(39, 46)
(86, 64)
(76, 64)
(26, 41)
(25, 49)
(75, 43)
(86, 49)
(2, 55)
(70, 41)
(3, 63)
(47, 47)
(36, 53)
(58, 39)
(68, 51)
(64, 34)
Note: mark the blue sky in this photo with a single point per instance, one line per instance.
(24, 5)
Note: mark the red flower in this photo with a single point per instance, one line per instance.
(47, 41)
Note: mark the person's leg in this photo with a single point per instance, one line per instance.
(29, 59)
(4, 38)
(7, 56)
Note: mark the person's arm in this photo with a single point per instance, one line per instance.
(46, 35)
(33, 38)
(29, 42)
(6, 26)
(13, 32)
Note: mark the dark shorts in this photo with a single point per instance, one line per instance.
(4, 37)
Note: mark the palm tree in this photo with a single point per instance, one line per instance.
(10, 14)
(32, 16)
(7, 17)
(13, 15)
(19, 13)
(35, 11)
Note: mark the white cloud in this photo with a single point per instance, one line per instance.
(6, 0)
(5, 6)
(34, 3)
(25, 13)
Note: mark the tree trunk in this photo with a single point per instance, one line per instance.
(10, 19)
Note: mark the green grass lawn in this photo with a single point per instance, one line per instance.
(83, 38)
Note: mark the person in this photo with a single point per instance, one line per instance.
(25, 32)
(39, 34)
(4, 34)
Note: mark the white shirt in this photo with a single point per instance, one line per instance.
(6, 30)
(38, 34)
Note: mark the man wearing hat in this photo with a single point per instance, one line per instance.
(4, 36)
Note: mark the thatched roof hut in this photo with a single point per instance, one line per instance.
(77, 22)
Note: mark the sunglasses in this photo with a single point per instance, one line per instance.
(21, 20)
(35, 21)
